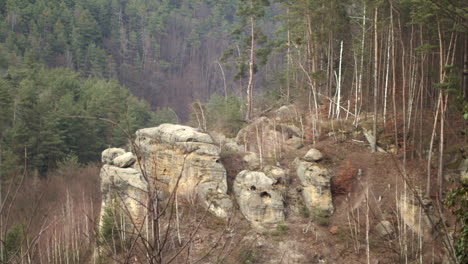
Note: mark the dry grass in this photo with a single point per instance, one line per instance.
(343, 182)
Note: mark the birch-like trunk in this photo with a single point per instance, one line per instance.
(251, 67)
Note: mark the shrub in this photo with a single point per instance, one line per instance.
(281, 230)
(219, 113)
(342, 183)
(457, 201)
(13, 240)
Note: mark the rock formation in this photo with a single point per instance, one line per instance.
(418, 213)
(176, 156)
(260, 201)
(315, 179)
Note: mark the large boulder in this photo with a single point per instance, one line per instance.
(125, 188)
(183, 159)
(313, 155)
(418, 213)
(270, 137)
(463, 169)
(125, 160)
(315, 179)
(259, 200)
(110, 154)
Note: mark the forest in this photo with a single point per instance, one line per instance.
(79, 76)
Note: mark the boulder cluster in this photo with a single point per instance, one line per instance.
(175, 158)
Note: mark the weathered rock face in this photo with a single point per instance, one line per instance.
(315, 179)
(180, 156)
(259, 200)
(125, 160)
(463, 169)
(313, 155)
(110, 154)
(123, 185)
(418, 216)
(385, 229)
(270, 136)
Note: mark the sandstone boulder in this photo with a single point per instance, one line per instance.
(259, 201)
(418, 213)
(125, 160)
(110, 154)
(252, 160)
(385, 229)
(313, 155)
(181, 157)
(269, 136)
(124, 185)
(295, 143)
(463, 169)
(316, 181)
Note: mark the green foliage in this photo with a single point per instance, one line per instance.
(39, 121)
(281, 230)
(457, 201)
(321, 217)
(109, 231)
(164, 115)
(224, 114)
(247, 255)
(220, 113)
(304, 211)
(13, 240)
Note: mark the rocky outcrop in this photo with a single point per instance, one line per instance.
(385, 229)
(176, 156)
(118, 157)
(315, 179)
(418, 213)
(259, 200)
(270, 136)
(125, 160)
(463, 169)
(124, 188)
(313, 155)
(110, 154)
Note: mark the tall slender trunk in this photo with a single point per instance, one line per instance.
(251, 66)
(387, 68)
(376, 84)
(361, 67)
(395, 121)
(338, 85)
(288, 74)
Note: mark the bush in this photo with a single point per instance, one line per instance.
(281, 230)
(457, 201)
(343, 182)
(13, 240)
(220, 114)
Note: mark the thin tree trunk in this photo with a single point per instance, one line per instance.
(251, 67)
(395, 121)
(376, 84)
(338, 85)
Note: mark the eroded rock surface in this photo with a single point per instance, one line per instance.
(315, 179)
(180, 156)
(418, 213)
(123, 185)
(110, 154)
(259, 200)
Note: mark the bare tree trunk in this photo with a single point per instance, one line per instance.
(387, 68)
(395, 121)
(251, 67)
(361, 65)
(224, 80)
(338, 85)
(376, 62)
